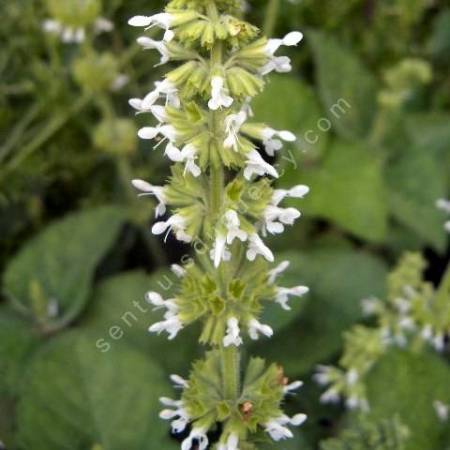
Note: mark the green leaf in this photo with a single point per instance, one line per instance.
(439, 44)
(347, 89)
(17, 342)
(289, 103)
(338, 279)
(50, 278)
(75, 397)
(348, 190)
(119, 312)
(416, 179)
(430, 131)
(406, 385)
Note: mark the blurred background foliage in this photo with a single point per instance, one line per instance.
(369, 99)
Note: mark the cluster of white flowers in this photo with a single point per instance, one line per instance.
(224, 136)
(278, 430)
(75, 35)
(171, 323)
(280, 64)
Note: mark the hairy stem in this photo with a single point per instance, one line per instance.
(230, 356)
(230, 371)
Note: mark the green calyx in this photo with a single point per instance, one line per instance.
(258, 400)
(96, 72)
(237, 291)
(188, 196)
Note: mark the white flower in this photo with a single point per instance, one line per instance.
(439, 342)
(161, 20)
(179, 414)
(280, 64)
(232, 223)
(175, 223)
(291, 39)
(172, 326)
(292, 387)
(219, 251)
(257, 166)
(352, 377)
(119, 82)
(67, 34)
(298, 191)
(102, 25)
(271, 144)
(354, 402)
(330, 396)
(277, 271)
(275, 218)
(277, 428)
(256, 328)
(168, 131)
(442, 410)
(157, 191)
(219, 94)
(427, 333)
(231, 444)
(179, 382)
(323, 375)
(233, 333)
(257, 247)
(52, 26)
(233, 123)
(162, 88)
(159, 113)
(197, 435)
(178, 270)
(161, 46)
(158, 302)
(444, 205)
(282, 296)
(370, 306)
(188, 155)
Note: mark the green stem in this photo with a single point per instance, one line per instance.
(231, 372)
(19, 130)
(271, 17)
(230, 356)
(216, 183)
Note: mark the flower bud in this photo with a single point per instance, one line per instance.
(96, 72)
(76, 13)
(116, 136)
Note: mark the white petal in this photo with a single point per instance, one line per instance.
(292, 38)
(140, 21)
(142, 185)
(287, 136)
(148, 132)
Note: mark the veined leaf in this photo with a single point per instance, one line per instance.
(50, 279)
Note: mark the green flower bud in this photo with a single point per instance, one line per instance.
(75, 13)
(96, 72)
(243, 84)
(116, 136)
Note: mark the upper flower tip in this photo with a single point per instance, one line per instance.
(140, 21)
